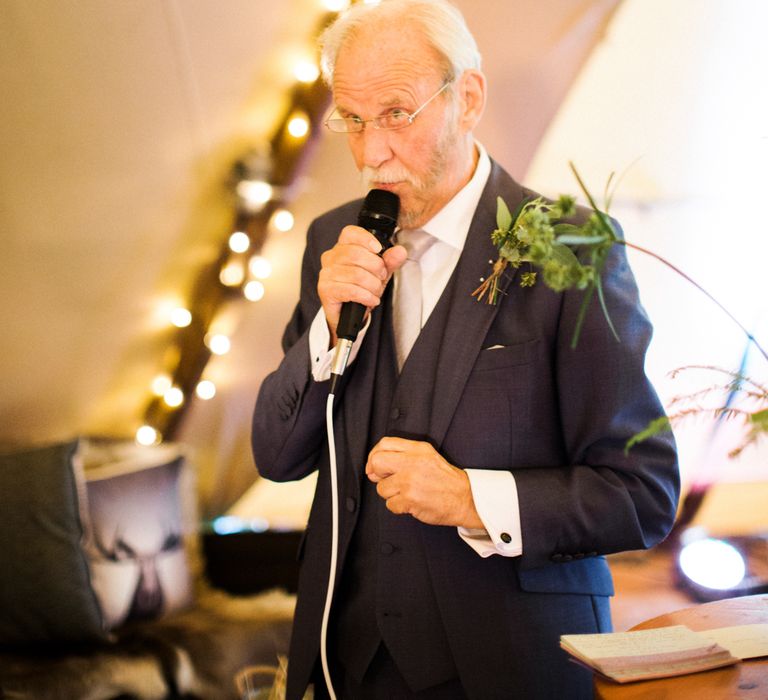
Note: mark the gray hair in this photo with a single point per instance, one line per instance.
(443, 24)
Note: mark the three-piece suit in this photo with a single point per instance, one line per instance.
(492, 387)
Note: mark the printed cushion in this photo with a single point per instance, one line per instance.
(91, 536)
(139, 567)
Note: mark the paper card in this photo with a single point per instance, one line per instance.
(744, 641)
(637, 643)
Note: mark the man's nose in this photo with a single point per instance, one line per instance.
(375, 146)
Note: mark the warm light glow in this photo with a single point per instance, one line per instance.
(254, 193)
(298, 126)
(260, 267)
(239, 242)
(205, 390)
(147, 435)
(174, 397)
(232, 274)
(713, 564)
(160, 384)
(181, 317)
(254, 291)
(282, 220)
(306, 72)
(336, 5)
(218, 343)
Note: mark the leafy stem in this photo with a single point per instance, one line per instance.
(606, 222)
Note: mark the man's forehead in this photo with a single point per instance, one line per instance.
(394, 90)
(389, 80)
(379, 81)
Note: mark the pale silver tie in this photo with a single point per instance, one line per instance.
(407, 306)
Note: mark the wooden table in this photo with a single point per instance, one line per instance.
(747, 679)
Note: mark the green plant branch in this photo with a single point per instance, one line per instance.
(603, 218)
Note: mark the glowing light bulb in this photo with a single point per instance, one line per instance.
(254, 291)
(239, 242)
(713, 564)
(306, 71)
(260, 267)
(146, 435)
(205, 390)
(282, 220)
(298, 126)
(181, 317)
(160, 384)
(218, 343)
(174, 397)
(232, 274)
(254, 193)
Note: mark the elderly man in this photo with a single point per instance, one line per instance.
(482, 473)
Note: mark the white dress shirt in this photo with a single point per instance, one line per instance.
(494, 492)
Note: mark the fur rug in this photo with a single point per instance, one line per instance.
(194, 654)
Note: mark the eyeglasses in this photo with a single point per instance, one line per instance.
(394, 119)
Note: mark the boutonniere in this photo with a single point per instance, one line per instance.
(539, 236)
(530, 235)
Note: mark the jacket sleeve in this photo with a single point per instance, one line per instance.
(288, 428)
(604, 499)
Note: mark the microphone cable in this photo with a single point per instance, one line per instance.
(334, 545)
(379, 217)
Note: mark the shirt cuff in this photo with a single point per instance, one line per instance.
(319, 340)
(495, 497)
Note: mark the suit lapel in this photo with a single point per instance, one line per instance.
(469, 320)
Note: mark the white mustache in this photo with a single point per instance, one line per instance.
(385, 176)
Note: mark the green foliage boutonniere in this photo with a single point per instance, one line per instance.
(539, 233)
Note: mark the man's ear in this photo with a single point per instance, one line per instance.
(471, 90)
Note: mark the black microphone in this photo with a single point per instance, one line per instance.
(379, 216)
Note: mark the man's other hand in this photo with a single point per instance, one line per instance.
(412, 477)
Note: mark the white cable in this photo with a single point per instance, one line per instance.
(334, 545)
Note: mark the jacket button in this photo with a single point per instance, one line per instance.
(351, 504)
(579, 555)
(386, 548)
(557, 557)
(591, 554)
(567, 557)
(396, 413)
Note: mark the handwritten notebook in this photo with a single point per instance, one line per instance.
(646, 654)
